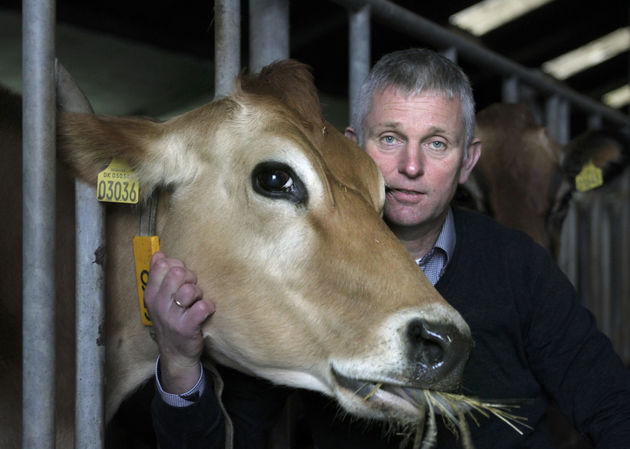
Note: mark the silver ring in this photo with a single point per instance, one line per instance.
(178, 304)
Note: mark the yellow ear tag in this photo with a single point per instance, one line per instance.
(117, 183)
(143, 249)
(589, 178)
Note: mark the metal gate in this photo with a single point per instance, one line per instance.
(596, 240)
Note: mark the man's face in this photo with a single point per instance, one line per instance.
(418, 143)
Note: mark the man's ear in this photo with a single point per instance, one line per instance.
(350, 134)
(474, 152)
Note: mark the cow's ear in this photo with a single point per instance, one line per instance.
(291, 82)
(87, 144)
(609, 150)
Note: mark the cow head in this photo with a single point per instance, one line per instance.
(525, 179)
(279, 215)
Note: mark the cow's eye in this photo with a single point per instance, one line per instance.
(277, 180)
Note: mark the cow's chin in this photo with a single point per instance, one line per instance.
(377, 400)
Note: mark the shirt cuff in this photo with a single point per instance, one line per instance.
(180, 400)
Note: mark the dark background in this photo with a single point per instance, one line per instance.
(319, 35)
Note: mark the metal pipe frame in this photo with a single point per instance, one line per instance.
(268, 32)
(38, 321)
(90, 316)
(359, 62)
(415, 26)
(227, 45)
(89, 291)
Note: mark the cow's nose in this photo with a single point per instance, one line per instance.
(439, 352)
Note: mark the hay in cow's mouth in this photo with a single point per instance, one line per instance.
(455, 410)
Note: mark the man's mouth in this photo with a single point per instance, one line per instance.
(403, 195)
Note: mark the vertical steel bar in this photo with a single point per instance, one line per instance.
(90, 313)
(90, 291)
(594, 121)
(510, 90)
(558, 123)
(268, 32)
(624, 270)
(450, 53)
(360, 54)
(568, 257)
(227, 45)
(38, 331)
(604, 265)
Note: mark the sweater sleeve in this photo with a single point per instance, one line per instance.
(252, 404)
(198, 426)
(574, 360)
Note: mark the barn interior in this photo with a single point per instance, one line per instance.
(155, 58)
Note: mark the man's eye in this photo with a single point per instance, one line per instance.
(437, 145)
(389, 140)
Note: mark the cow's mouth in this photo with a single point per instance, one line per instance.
(419, 407)
(398, 398)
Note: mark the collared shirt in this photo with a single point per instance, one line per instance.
(435, 261)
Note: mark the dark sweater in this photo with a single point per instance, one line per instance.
(533, 342)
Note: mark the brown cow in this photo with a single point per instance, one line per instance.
(524, 179)
(280, 214)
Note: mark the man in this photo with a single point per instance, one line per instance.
(533, 342)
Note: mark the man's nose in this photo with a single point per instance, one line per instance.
(411, 161)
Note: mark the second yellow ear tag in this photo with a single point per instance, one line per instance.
(589, 178)
(143, 249)
(117, 183)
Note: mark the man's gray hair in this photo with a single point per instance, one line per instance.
(413, 72)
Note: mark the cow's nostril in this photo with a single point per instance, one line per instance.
(427, 346)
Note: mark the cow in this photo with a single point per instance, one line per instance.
(280, 217)
(525, 179)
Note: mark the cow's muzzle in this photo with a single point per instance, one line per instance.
(438, 354)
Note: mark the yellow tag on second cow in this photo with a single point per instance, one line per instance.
(589, 178)
(117, 183)
(143, 249)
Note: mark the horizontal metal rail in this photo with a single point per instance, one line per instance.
(415, 26)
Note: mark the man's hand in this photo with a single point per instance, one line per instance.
(177, 310)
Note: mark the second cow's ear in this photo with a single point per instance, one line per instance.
(609, 150)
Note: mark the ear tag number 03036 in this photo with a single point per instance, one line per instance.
(589, 178)
(117, 183)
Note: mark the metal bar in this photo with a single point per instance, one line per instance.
(510, 90)
(359, 62)
(90, 313)
(568, 257)
(450, 53)
(38, 322)
(227, 45)
(89, 291)
(558, 119)
(417, 27)
(624, 246)
(604, 265)
(594, 121)
(268, 32)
